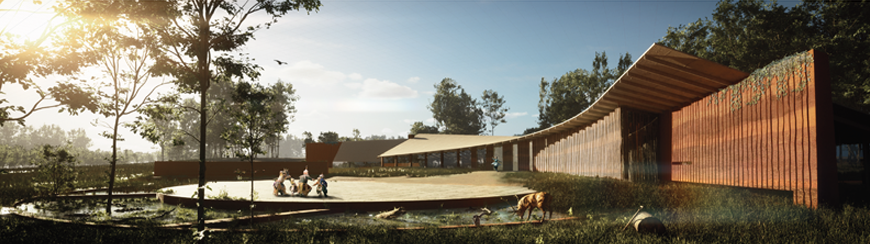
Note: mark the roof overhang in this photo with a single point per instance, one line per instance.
(661, 80)
(422, 143)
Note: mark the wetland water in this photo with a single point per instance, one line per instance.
(92, 210)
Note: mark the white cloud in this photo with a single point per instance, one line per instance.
(413, 80)
(429, 92)
(387, 131)
(355, 76)
(430, 121)
(373, 88)
(353, 85)
(409, 121)
(313, 115)
(307, 72)
(516, 114)
(535, 115)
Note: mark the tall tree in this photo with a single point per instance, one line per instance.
(254, 117)
(418, 127)
(125, 55)
(328, 137)
(567, 96)
(455, 111)
(749, 34)
(197, 32)
(308, 138)
(493, 108)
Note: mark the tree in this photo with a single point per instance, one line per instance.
(254, 115)
(454, 110)
(328, 137)
(418, 127)
(749, 34)
(196, 33)
(56, 173)
(356, 135)
(125, 60)
(567, 96)
(21, 61)
(492, 108)
(308, 138)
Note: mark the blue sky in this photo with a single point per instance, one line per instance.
(371, 65)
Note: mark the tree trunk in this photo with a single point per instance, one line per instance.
(202, 67)
(113, 162)
(252, 189)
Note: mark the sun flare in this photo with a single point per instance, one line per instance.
(27, 21)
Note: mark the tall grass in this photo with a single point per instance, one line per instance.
(130, 178)
(691, 213)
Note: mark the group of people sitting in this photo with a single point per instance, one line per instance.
(300, 187)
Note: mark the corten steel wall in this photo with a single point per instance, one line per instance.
(225, 170)
(770, 132)
(640, 134)
(592, 151)
(321, 152)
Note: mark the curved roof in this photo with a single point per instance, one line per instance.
(364, 151)
(661, 80)
(422, 143)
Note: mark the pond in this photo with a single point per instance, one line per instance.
(123, 210)
(501, 213)
(149, 210)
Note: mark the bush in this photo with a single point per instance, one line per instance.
(55, 172)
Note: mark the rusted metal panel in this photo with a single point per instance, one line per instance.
(774, 134)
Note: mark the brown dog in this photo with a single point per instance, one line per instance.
(540, 200)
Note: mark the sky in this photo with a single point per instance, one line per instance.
(372, 65)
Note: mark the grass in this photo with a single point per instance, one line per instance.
(130, 178)
(692, 214)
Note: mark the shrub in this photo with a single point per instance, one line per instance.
(55, 171)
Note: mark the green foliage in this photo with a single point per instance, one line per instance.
(749, 34)
(761, 81)
(455, 111)
(418, 127)
(328, 137)
(567, 96)
(56, 173)
(492, 106)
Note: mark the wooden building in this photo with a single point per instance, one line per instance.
(676, 117)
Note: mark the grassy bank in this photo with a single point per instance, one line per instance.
(692, 214)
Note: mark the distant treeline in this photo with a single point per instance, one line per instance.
(21, 144)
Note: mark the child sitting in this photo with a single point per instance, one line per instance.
(321, 185)
(278, 185)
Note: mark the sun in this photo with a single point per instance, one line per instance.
(27, 20)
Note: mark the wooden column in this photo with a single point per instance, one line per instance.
(523, 155)
(507, 151)
(425, 160)
(490, 152)
(866, 162)
(474, 158)
(382, 162)
(442, 159)
(665, 146)
(396, 160)
(458, 161)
